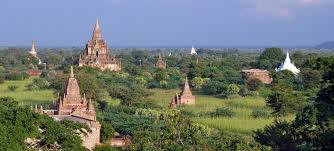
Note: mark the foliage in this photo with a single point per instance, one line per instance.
(224, 112)
(19, 123)
(253, 84)
(12, 88)
(278, 136)
(213, 88)
(198, 82)
(107, 132)
(2, 78)
(128, 95)
(260, 113)
(39, 84)
(16, 76)
(310, 78)
(104, 148)
(270, 58)
(231, 90)
(284, 103)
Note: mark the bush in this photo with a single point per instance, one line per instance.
(254, 84)
(12, 88)
(17, 76)
(107, 132)
(104, 148)
(2, 78)
(231, 90)
(225, 112)
(39, 84)
(260, 113)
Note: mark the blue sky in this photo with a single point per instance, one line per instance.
(168, 22)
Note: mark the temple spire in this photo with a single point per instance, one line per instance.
(186, 88)
(71, 73)
(97, 31)
(33, 46)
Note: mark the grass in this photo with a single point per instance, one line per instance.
(24, 96)
(242, 122)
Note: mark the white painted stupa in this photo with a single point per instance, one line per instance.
(193, 51)
(33, 52)
(288, 65)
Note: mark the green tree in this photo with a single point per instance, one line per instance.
(253, 84)
(270, 58)
(231, 89)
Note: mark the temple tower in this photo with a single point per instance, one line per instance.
(96, 53)
(161, 63)
(185, 96)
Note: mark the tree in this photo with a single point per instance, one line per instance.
(231, 89)
(284, 103)
(311, 78)
(278, 136)
(198, 82)
(253, 84)
(270, 58)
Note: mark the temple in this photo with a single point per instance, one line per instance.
(288, 65)
(193, 51)
(262, 75)
(33, 52)
(161, 63)
(72, 106)
(185, 97)
(96, 53)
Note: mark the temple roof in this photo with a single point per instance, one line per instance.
(72, 90)
(97, 31)
(186, 88)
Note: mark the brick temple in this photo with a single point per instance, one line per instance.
(72, 106)
(185, 97)
(262, 75)
(161, 63)
(96, 53)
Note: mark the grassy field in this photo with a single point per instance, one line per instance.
(23, 96)
(242, 122)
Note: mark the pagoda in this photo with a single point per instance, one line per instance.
(33, 52)
(193, 51)
(185, 97)
(288, 65)
(72, 106)
(96, 53)
(161, 63)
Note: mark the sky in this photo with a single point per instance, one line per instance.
(167, 23)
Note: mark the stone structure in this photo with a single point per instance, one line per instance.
(161, 63)
(262, 75)
(96, 53)
(72, 106)
(33, 73)
(185, 97)
(33, 52)
(288, 65)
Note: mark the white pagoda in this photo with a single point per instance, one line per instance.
(288, 65)
(193, 51)
(33, 52)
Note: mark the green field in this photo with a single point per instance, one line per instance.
(24, 96)
(242, 122)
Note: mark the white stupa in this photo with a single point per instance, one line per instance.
(33, 52)
(287, 65)
(193, 51)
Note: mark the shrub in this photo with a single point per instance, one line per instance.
(104, 148)
(39, 84)
(260, 113)
(231, 90)
(253, 84)
(2, 78)
(12, 88)
(16, 76)
(225, 112)
(107, 132)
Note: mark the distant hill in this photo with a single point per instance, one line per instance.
(326, 45)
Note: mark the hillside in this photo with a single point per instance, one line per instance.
(326, 45)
